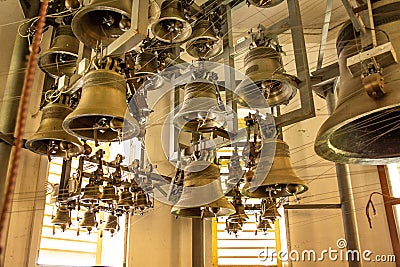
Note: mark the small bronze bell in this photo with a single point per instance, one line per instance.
(61, 58)
(269, 211)
(200, 110)
(142, 200)
(125, 199)
(51, 139)
(172, 26)
(264, 225)
(102, 113)
(280, 180)
(111, 224)
(204, 43)
(63, 217)
(91, 194)
(266, 77)
(108, 195)
(146, 68)
(89, 220)
(233, 227)
(202, 195)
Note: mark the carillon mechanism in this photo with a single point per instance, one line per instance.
(101, 22)
(112, 188)
(61, 58)
(265, 73)
(173, 25)
(51, 139)
(102, 113)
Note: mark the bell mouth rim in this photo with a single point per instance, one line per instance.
(324, 148)
(78, 148)
(187, 29)
(192, 212)
(260, 191)
(192, 51)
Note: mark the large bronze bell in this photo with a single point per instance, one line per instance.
(202, 194)
(111, 224)
(108, 195)
(264, 3)
(102, 21)
(125, 199)
(172, 26)
(200, 111)
(63, 217)
(101, 114)
(204, 43)
(61, 58)
(51, 139)
(89, 220)
(363, 129)
(266, 76)
(279, 181)
(91, 193)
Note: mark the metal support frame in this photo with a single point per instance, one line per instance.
(391, 220)
(325, 30)
(307, 109)
(135, 35)
(357, 23)
(312, 206)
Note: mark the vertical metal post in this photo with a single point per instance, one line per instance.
(126, 240)
(346, 195)
(197, 243)
(9, 107)
(229, 62)
(394, 235)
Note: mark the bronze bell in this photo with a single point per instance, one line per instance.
(200, 110)
(51, 139)
(61, 58)
(91, 194)
(172, 26)
(264, 3)
(146, 68)
(204, 43)
(111, 224)
(202, 194)
(269, 210)
(125, 199)
(363, 128)
(89, 220)
(108, 195)
(266, 76)
(280, 180)
(63, 217)
(264, 225)
(233, 227)
(239, 214)
(141, 200)
(102, 113)
(102, 21)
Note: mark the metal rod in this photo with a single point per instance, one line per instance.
(346, 194)
(312, 206)
(197, 243)
(394, 235)
(325, 30)
(127, 217)
(357, 24)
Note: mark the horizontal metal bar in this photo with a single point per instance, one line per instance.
(312, 206)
